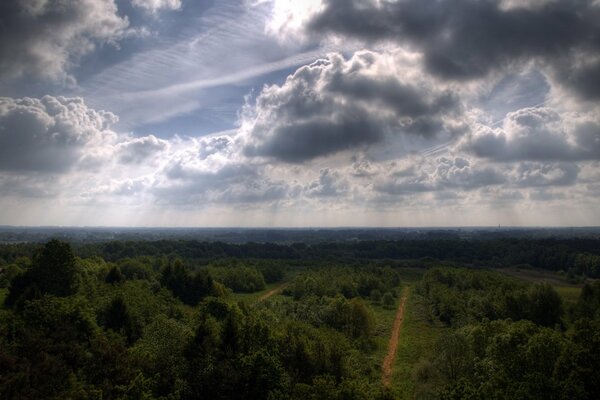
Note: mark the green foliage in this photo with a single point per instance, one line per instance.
(272, 273)
(53, 349)
(388, 300)
(189, 288)
(350, 282)
(9, 272)
(114, 276)
(160, 353)
(151, 327)
(118, 318)
(462, 296)
(53, 271)
(239, 278)
(588, 305)
(375, 296)
(136, 268)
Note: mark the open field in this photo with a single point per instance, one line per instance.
(270, 289)
(568, 290)
(537, 275)
(417, 339)
(390, 357)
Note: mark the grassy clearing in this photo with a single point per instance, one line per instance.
(536, 276)
(570, 294)
(384, 321)
(417, 339)
(253, 297)
(569, 291)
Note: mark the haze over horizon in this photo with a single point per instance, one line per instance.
(281, 113)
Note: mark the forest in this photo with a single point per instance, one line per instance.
(504, 318)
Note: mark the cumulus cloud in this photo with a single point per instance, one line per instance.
(338, 104)
(49, 134)
(467, 39)
(156, 5)
(214, 145)
(44, 38)
(329, 184)
(439, 174)
(537, 134)
(193, 182)
(138, 150)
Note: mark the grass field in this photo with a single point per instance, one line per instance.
(569, 291)
(570, 294)
(417, 339)
(384, 320)
(253, 297)
(536, 275)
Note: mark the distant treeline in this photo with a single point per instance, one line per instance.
(580, 256)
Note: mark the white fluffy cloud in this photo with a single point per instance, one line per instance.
(46, 37)
(537, 134)
(339, 104)
(49, 134)
(138, 150)
(156, 5)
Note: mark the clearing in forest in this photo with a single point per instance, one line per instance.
(272, 292)
(390, 357)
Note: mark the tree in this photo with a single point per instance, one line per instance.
(54, 269)
(118, 318)
(114, 276)
(545, 305)
(388, 300)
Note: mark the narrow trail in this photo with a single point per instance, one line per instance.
(272, 292)
(388, 362)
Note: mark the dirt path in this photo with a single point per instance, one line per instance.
(390, 357)
(272, 292)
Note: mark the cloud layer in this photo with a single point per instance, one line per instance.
(435, 113)
(463, 40)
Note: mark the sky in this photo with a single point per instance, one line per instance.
(314, 113)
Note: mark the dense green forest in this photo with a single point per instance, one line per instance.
(195, 320)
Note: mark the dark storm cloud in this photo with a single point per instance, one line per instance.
(337, 104)
(43, 37)
(48, 134)
(305, 140)
(467, 39)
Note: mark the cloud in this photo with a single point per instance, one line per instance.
(191, 181)
(464, 40)
(43, 38)
(138, 150)
(338, 104)
(437, 175)
(329, 184)
(537, 134)
(214, 145)
(49, 134)
(545, 174)
(156, 5)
